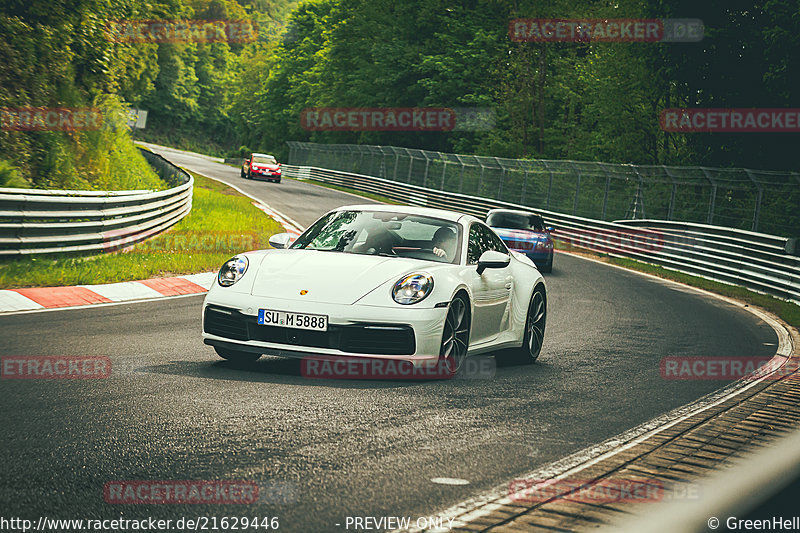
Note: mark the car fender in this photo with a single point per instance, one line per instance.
(526, 279)
(244, 285)
(446, 282)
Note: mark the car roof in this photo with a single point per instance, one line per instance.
(514, 211)
(265, 155)
(444, 214)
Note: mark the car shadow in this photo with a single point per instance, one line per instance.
(265, 370)
(555, 273)
(270, 369)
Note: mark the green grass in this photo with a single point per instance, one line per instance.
(222, 223)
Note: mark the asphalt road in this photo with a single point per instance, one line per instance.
(172, 410)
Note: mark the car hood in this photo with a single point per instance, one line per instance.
(262, 166)
(328, 277)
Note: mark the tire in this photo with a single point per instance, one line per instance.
(241, 172)
(236, 356)
(533, 338)
(455, 337)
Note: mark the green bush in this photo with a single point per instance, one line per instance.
(10, 176)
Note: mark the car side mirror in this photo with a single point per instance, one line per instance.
(492, 259)
(281, 240)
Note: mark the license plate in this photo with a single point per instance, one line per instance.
(286, 319)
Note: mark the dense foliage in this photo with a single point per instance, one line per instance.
(589, 101)
(586, 100)
(58, 53)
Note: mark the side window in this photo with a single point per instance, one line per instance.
(481, 239)
(497, 243)
(475, 246)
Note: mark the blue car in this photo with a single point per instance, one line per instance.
(524, 232)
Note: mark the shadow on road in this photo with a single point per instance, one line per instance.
(288, 371)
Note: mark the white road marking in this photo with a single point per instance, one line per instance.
(275, 215)
(449, 481)
(108, 304)
(14, 301)
(204, 279)
(124, 291)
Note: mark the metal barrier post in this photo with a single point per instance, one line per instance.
(713, 199)
(674, 192)
(608, 187)
(577, 189)
(502, 179)
(759, 195)
(444, 169)
(550, 186)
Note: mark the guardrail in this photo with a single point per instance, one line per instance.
(35, 221)
(754, 260)
(746, 489)
(755, 200)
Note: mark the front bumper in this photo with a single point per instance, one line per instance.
(407, 334)
(265, 175)
(540, 258)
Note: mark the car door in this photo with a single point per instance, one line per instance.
(491, 290)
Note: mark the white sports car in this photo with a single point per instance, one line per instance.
(380, 281)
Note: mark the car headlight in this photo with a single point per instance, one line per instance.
(232, 271)
(412, 289)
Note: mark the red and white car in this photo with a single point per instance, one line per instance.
(262, 166)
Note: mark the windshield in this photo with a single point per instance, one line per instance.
(509, 220)
(383, 233)
(264, 159)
